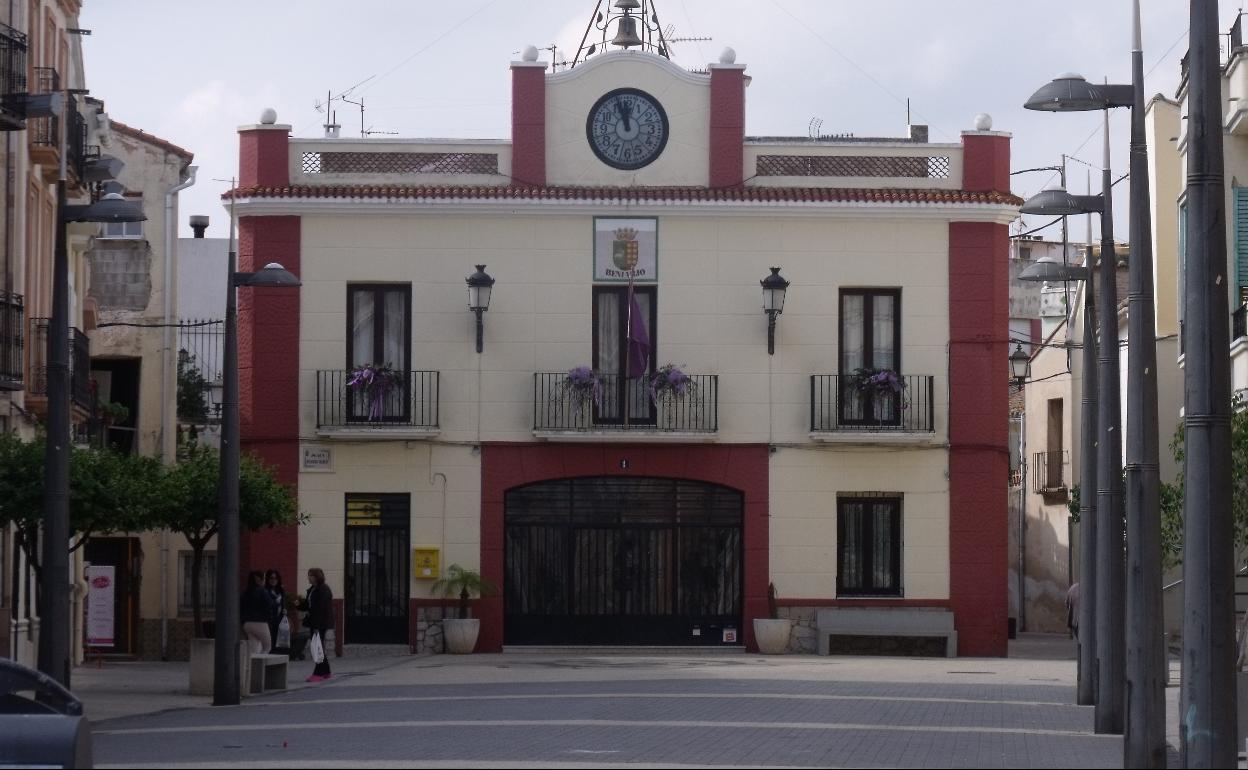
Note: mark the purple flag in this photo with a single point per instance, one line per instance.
(638, 339)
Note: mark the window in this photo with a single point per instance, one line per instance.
(623, 398)
(870, 340)
(868, 545)
(1024, 252)
(1055, 453)
(379, 332)
(207, 583)
(132, 230)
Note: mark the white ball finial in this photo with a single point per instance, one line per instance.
(983, 122)
(728, 56)
(529, 53)
(268, 117)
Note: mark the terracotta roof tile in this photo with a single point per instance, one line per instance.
(152, 139)
(632, 194)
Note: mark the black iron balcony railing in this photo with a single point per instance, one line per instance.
(12, 79)
(625, 404)
(45, 132)
(12, 333)
(76, 140)
(410, 400)
(843, 402)
(79, 362)
(1239, 322)
(1048, 472)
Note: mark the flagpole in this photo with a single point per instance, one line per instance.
(628, 348)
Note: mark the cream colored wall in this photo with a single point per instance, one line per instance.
(1166, 182)
(149, 601)
(444, 482)
(685, 97)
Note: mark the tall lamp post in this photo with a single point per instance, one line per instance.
(225, 681)
(54, 582)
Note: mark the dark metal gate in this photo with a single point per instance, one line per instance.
(376, 584)
(623, 561)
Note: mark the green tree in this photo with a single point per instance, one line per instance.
(192, 391)
(190, 501)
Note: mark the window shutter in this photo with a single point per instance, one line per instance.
(1241, 243)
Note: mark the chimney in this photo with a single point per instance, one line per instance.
(199, 223)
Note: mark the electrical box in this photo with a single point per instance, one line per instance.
(425, 563)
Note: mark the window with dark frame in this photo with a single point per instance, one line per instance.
(622, 398)
(870, 339)
(868, 546)
(207, 583)
(379, 333)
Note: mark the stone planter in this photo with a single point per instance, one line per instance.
(461, 635)
(203, 666)
(772, 635)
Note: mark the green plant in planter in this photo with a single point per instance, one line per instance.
(773, 611)
(463, 583)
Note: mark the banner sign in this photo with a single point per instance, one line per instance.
(626, 248)
(100, 590)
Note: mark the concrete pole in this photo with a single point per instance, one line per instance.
(1087, 497)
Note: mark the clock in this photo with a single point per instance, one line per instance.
(627, 129)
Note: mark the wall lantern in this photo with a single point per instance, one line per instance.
(480, 285)
(1020, 365)
(774, 287)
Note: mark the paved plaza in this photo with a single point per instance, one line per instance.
(603, 710)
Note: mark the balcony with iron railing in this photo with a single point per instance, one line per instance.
(623, 406)
(12, 334)
(847, 408)
(79, 366)
(44, 134)
(12, 79)
(1239, 322)
(401, 407)
(1049, 473)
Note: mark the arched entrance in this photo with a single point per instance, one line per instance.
(623, 561)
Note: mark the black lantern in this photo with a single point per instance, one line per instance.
(774, 288)
(480, 286)
(1020, 365)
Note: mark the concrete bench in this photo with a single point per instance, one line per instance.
(907, 621)
(268, 672)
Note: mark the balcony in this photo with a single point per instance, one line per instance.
(12, 79)
(624, 407)
(12, 326)
(843, 410)
(405, 410)
(1239, 322)
(79, 367)
(44, 133)
(1048, 474)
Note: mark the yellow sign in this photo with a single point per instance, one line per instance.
(425, 563)
(363, 513)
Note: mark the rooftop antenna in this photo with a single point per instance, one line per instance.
(815, 128)
(670, 38)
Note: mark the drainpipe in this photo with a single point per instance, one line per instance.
(171, 233)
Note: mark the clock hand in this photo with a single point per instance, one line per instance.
(626, 113)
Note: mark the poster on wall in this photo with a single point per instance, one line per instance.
(100, 588)
(626, 248)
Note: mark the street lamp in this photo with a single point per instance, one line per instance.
(1144, 686)
(225, 680)
(54, 587)
(1020, 365)
(774, 288)
(480, 286)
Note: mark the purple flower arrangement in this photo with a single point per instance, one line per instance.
(669, 381)
(880, 382)
(583, 384)
(374, 382)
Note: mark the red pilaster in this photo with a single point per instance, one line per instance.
(268, 364)
(727, 125)
(986, 161)
(263, 156)
(741, 466)
(528, 123)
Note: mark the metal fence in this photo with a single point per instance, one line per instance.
(410, 402)
(12, 76)
(1048, 471)
(841, 403)
(622, 403)
(12, 335)
(201, 349)
(45, 131)
(1239, 322)
(79, 362)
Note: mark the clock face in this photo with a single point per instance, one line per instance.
(627, 128)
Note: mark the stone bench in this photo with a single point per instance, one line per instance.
(268, 672)
(902, 621)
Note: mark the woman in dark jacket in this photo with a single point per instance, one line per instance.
(273, 584)
(319, 602)
(255, 606)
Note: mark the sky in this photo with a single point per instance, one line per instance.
(192, 73)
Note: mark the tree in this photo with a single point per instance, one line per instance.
(192, 391)
(190, 505)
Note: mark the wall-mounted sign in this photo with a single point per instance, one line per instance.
(363, 513)
(425, 563)
(626, 248)
(317, 459)
(100, 615)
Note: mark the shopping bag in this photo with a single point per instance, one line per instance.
(317, 648)
(283, 633)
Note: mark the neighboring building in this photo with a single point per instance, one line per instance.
(202, 268)
(625, 520)
(134, 279)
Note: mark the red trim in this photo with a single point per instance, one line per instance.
(727, 140)
(528, 125)
(986, 162)
(740, 466)
(873, 603)
(264, 157)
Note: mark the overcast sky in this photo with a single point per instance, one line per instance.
(193, 72)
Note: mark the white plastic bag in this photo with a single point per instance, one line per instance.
(283, 633)
(317, 648)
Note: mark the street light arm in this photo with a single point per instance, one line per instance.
(1091, 204)
(1118, 95)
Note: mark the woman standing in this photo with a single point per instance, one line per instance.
(273, 584)
(319, 601)
(255, 608)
